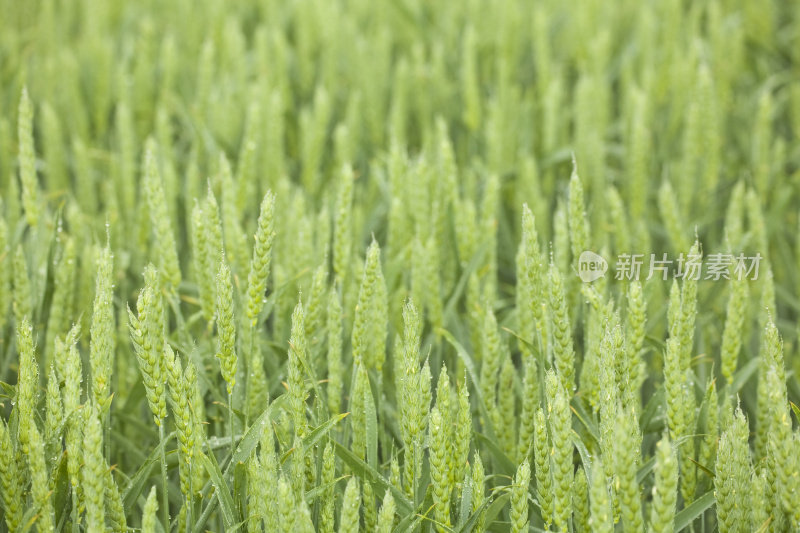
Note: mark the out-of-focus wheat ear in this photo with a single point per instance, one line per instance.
(315, 310)
(665, 487)
(150, 510)
(445, 403)
(115, 510)
(226, 325)
(68, 365)
(395, 477)
(215, 245)
(286, 505)
(578, 225)
(762, 145)
(198, 419)
(440, 474)
(53, 148)
(488, 227)
(504, 413)
(463, 433)
(734, 217)
(466, 230)
(491, 357)
(618, 218)
(635, 325)
(470, 84)
(791, 494)
(54, 418)
(732, 478)
(602, 516)
(73, 440)
(6, 270)
(609, 393)
(180, 401)
(23, 293)
(236, 245)
(159, 217)
(771, 360)
(530, 402)
(357, 408)
(370, 511)
(379, 323)
(297, 468)
(671, 216)
(274, 155)
(103, 331)
(426, 276)
(61, 311)
(581, 513)
(257, 495)
(12, 489)
(627, 444)
(410, 405)
(688, 312)
(563, 350)
(478, 490)
(365, 331)
(298, 353)
(519, 498)
(544, 480)
(269, 472)
(31, 200)
(342, 228)
(351, 505)
(313, 127)
(144, 337)
(257, 384)
(560, 247)
(560, 421)
(27, 383)
(673, 388)
(532, 273)
(387, 513)
(246, 178)
(780, 447)
(733, 330)
(202, 261)
(711, 122)
(328, 502)
(710, 428)
(334, 352)
(760, 504)
(40, 480)
(757, 225)
(93, 472)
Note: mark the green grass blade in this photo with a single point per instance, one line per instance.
(689, 514)
(366, 472)
(229, 514)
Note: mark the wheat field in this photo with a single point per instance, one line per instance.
(399, 266)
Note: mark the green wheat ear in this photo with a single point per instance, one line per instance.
(150, 510)
(12, 493)
(93, 471)
(102, 331)
(665, 487)
(519, 498)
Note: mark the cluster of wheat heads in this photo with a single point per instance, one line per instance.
(314, 266)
